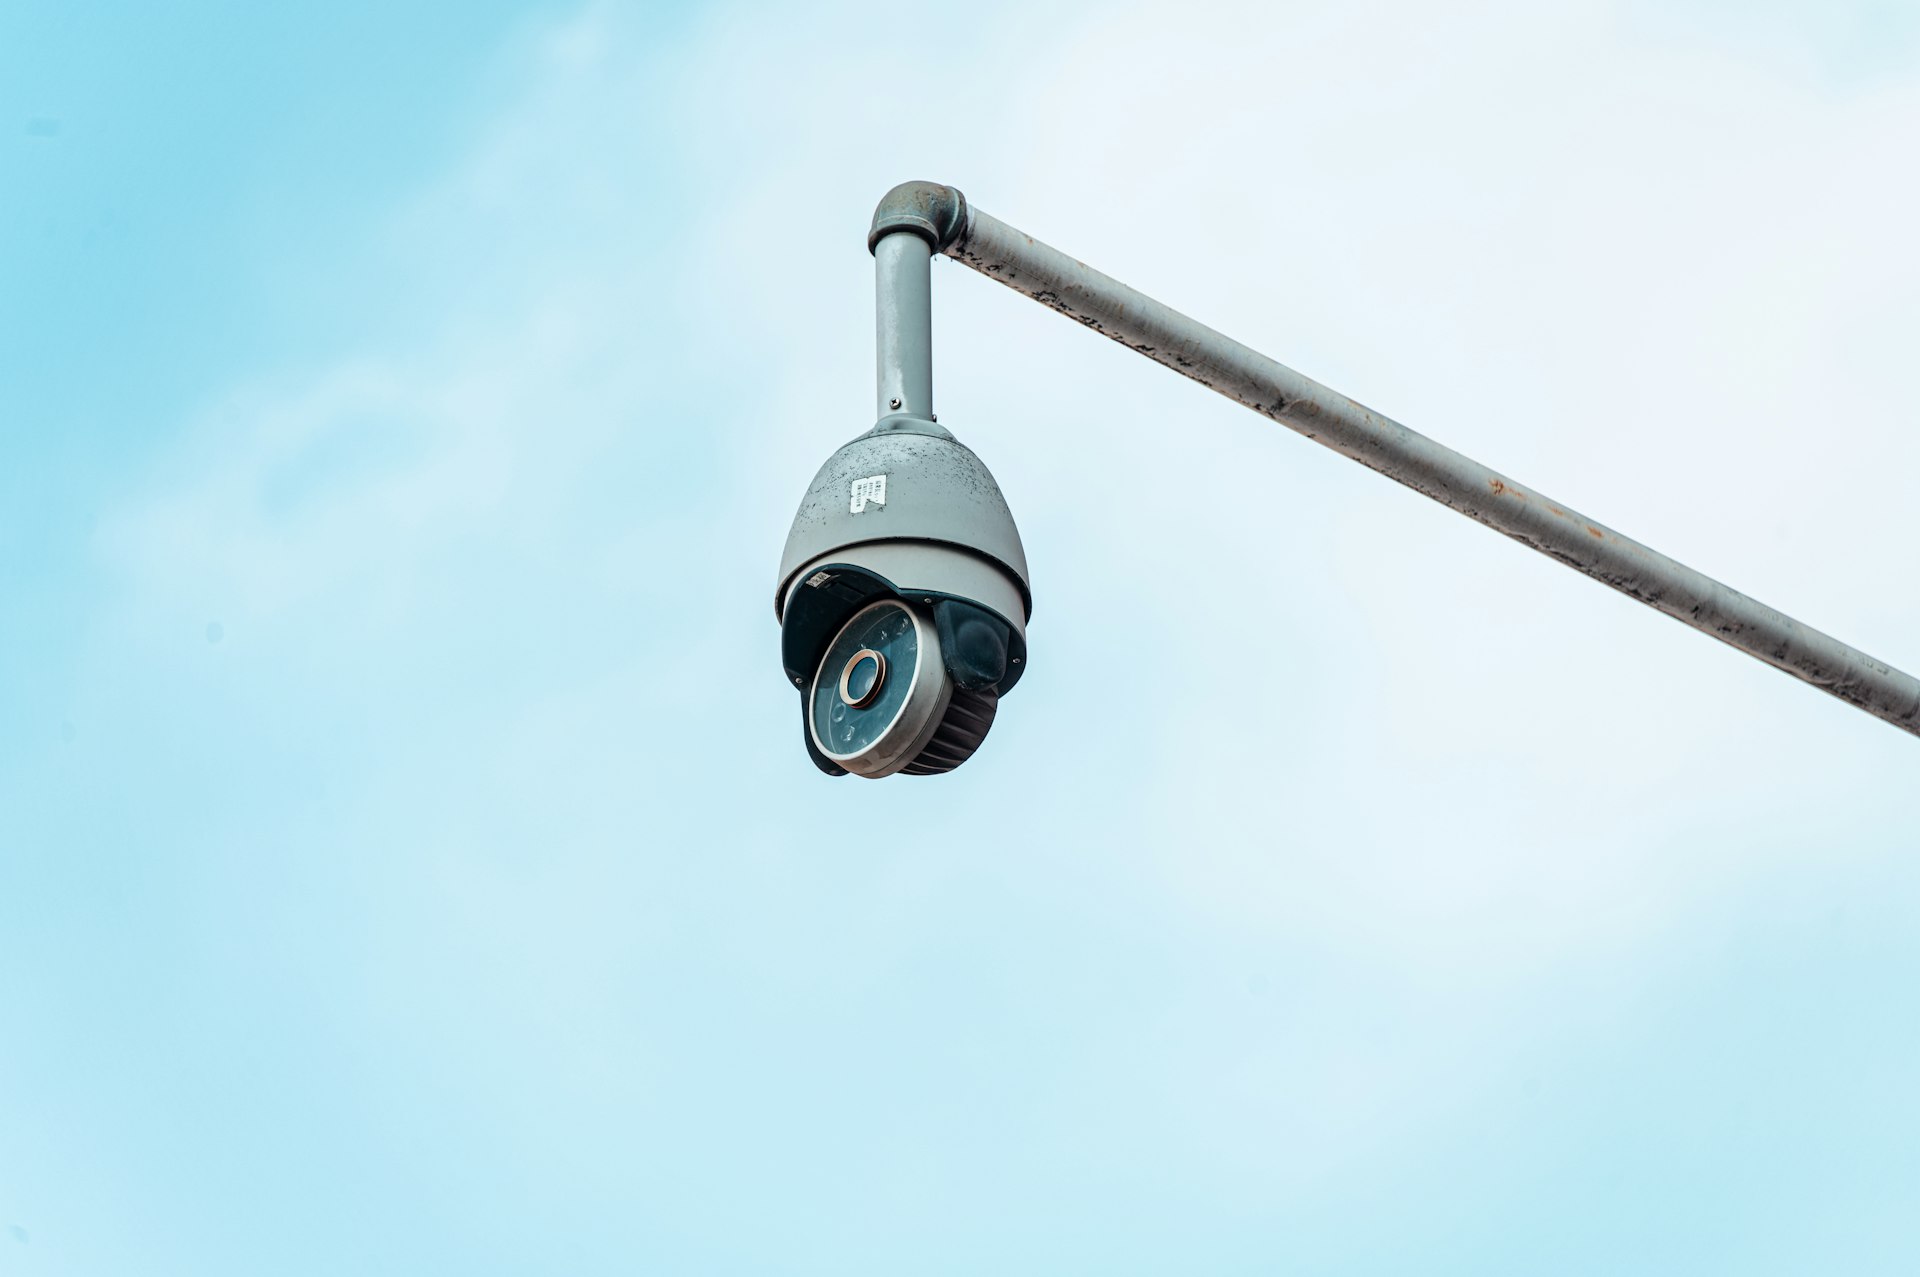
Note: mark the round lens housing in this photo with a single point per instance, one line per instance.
(879, 690)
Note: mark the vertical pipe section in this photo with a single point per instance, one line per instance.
(1280, 394)
(903, 296)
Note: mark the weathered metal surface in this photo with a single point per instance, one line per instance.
(1221, 364)
(937, 492)
(934, 212)
(903, 307)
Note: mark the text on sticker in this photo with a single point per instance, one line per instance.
(872, 489)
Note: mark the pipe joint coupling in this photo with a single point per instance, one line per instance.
(937, 214)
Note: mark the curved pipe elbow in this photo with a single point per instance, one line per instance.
(936, 213)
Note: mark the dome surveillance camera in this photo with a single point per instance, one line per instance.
(903, 603)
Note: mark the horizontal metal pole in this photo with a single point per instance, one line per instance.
(1246, 376)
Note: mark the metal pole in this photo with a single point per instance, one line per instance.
(903, 295)
(1246, 376)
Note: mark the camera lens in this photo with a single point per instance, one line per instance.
(862, 679)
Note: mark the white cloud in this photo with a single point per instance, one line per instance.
(1639, 274)
(1312, 717)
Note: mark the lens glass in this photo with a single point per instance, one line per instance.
(885, 628)
(859, 683)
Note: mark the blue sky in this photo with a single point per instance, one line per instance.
(407, 860)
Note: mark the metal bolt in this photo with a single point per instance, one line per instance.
(893, 403)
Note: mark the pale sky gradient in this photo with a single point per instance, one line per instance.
(408, 858)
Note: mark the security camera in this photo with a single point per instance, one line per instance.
(903, 603)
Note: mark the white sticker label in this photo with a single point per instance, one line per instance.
(865, 490)
(819, 579)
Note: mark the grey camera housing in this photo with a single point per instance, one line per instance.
(907, 512)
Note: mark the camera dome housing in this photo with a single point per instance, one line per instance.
(903, 515)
